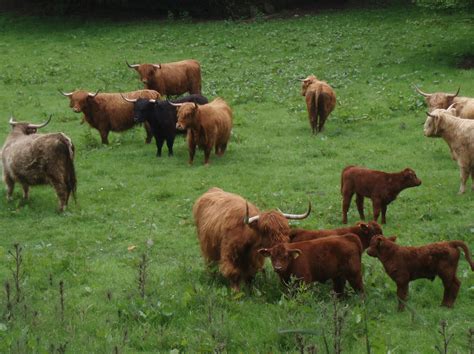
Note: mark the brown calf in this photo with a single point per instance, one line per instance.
(365, 232)
(337, 258)
(404, 264)
(381, 187)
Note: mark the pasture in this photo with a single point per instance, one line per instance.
(79, 276)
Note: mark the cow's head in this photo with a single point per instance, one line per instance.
(409, 178)
(432, 126)
(142, 107)
(186, 114)
(26, 128)
(438, 99)
(281, 256)
(367, 231)
(306, 82)
(378, 243)
(147, 72)
(79, 100)
(272, 225)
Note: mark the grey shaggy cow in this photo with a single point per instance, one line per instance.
(459, 135)
(33, 159)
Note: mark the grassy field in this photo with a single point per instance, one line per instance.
(79, 289)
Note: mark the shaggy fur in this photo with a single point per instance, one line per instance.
(34, 159)
(404, 264)
(172, 78)
(381, 187)
(335, 257)
(208, 126)
(225, 238)
(459, 135)
(320, 101)
(365, 232)
(463, 106)
(108, 111)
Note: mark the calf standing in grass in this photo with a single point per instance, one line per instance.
(365, 232)
(381, 187)
(320, 101)
(208, 126)
(337, 258)
(404, 264)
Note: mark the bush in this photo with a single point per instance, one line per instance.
(444, 4)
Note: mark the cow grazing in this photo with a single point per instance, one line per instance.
(404, 264)
(365, 232)
(33, 159)
(463, 106)
(231, 230)
(335, 257)
(320, 101)
(162, 118)
(173, 78)
(108, 111)
(381, 187)
(208, 126)
(459, 135)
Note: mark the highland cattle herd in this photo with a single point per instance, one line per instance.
(232, 232)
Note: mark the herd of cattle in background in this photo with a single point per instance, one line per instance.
(232, 231)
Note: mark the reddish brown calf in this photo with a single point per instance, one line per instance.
(336, 257)
(404, 264)
(381, 187)
(365, 232)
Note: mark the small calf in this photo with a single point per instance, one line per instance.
(337, 258)
(381, 187)
(404, 264)
(365, 232)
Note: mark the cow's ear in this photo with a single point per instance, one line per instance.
(364, 226)
(392, 238)
(295, 253)
(264, 252)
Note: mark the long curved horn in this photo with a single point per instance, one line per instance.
(431, 115)
(451, 106)
(94, 94)
(67, 94)
(176, 104)
(158, 66)
(298, 216)
(247, 219)
(421, 92)
(457, 93)
(132, 66)
(12, 122)
(131, 100)
(37, 126)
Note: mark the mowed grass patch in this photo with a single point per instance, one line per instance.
(130, 203)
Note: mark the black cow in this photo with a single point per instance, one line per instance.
(161, 115)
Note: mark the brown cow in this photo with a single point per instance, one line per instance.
(381, 187)
(108, 111)
(320, 101)
(229, 236)
(404, 264)
(335, 257)
(34, 159)
(208, 126)
(365, 232)
(173, 78)
(462, 107)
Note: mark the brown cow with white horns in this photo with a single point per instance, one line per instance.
(173, 78)
(209, 126)
(34, 159)
(108, 111)
(231, 230)
(320, 101)
(462, 107)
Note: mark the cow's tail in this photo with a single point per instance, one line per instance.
(314, 101)
(465, 249)
(342, 175)
(71, 181)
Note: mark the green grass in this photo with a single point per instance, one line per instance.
(126, 196)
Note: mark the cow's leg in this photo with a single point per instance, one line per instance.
(62, 193)
(472, 179)
(377, 206)
(230, 272)
(402, 294)
(451, 288)
(10, 186)
(322, 121)
(356, 282)
(346, 202)
(159, 145)
(26, 189)
(338, 285)
(104, 135)
(224, 147)
(169, 144)
(360, 205)
(384, 211)
(207, 154)
(464, 175)
(191, 146)
(149, 134)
